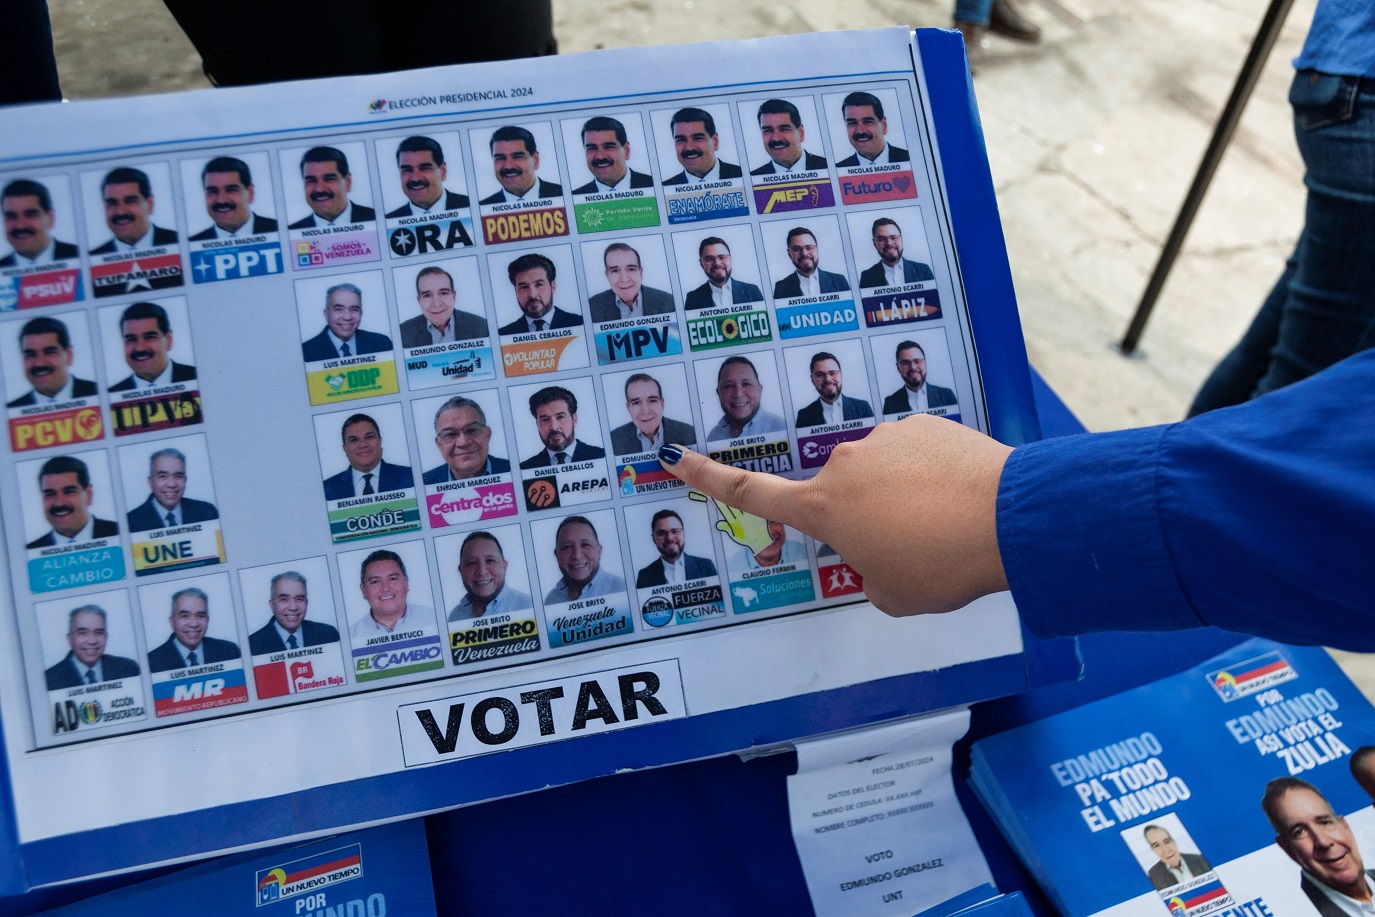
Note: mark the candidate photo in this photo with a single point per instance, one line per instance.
(29, 216)
(386, 588)
(866, 128)
(628, 296)
(649, 429)
(288, 628)
(367, 473)
(423, 171)
(1311, 833)
(695, 145)
(127, 196)
(916, 393)
(555, 410)
(86, 662)
(482, 568)
(578, 553)
(607, 151)
(341, 337)
(532, 277)
(783, 133)
(892, 268)
(675, 565)
(46, 353)
(721, 288)
(515, 163)
(808, 278)
(1173, 866)
(440, 320)
(227, 183)
(64, 484)
(740, 394)
(464, 440)
(832, 405)
(189, 645)
(327, 184)
(145, 328)
(167, 505)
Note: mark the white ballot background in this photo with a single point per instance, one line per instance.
(258, 390)
(876, 822)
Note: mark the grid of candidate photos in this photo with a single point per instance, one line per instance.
(499, 325)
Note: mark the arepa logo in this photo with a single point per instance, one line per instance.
(1245, 678)
(309, 874)
(378, 105)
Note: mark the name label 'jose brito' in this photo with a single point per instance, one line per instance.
(452, 728)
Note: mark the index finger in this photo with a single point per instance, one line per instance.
(755, 492)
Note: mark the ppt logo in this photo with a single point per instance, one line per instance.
(378, 105)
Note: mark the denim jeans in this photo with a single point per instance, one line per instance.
(973, 11)
(1322, 310)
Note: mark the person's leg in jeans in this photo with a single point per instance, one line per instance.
(1323, 308)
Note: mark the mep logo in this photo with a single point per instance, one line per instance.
(309, 874)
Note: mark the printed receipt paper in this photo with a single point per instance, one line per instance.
(876, 822)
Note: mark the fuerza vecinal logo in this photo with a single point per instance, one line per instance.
(309, 874)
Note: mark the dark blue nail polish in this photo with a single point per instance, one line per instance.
(670, 455)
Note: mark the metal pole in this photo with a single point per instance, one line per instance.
(1222, 135)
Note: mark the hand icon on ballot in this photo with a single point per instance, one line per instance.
(764, 538)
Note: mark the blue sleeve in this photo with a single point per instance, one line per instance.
(1258, 518)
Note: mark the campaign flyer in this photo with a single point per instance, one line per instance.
(94, 680)
(1237, 788)
(373, 873)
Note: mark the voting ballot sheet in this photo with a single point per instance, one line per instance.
(333, 410)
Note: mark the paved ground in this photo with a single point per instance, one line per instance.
(1093, 136)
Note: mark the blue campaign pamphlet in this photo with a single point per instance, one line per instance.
(380, 872)
(1151, 802)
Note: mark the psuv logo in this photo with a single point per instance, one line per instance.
(423, 238)
(233, 263)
